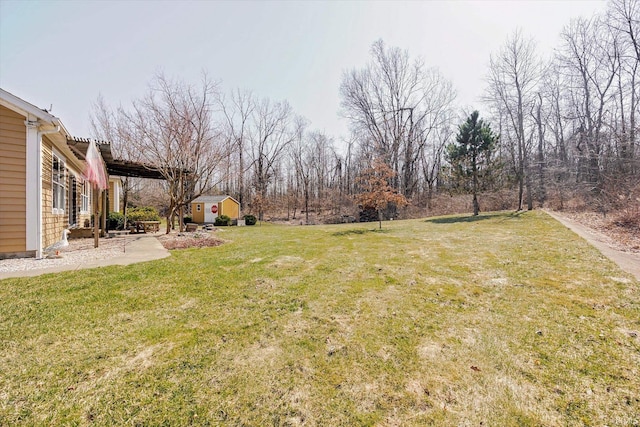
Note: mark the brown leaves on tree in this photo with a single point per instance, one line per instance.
(376, 190)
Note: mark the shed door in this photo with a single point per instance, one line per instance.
(209, 216)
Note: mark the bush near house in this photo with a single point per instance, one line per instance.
(222, 220)
(250, 220)
(115, 221)
(145, 213)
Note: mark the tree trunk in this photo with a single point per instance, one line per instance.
(520, 191)
(542, 195)
(476, 206)
(306, 203)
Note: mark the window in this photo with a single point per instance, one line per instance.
(85, 197)
(198, 207)
(58, 184)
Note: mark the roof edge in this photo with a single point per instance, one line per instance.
(29, 108)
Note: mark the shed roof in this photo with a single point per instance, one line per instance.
(212, 199)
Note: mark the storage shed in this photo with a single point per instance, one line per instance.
(205, 209)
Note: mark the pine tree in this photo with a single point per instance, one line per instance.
(474, 143)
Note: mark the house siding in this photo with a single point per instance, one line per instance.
(112, 195)
(52, 224)
(13, 160)
(115, 191)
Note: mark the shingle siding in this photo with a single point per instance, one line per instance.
(13, 160)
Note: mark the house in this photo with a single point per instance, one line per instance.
(42, 191)
(205, 209)
(43, 185)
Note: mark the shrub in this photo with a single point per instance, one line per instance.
(187, 219)
(115, 221)
(250, 220)
(222, 220)
(146, 213)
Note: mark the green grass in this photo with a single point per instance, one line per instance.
(506, 319)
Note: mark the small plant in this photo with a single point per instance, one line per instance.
(115, 221)
(250, 220)
(222, 220)
(187, 219)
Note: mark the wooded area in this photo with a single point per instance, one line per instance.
(566, 133)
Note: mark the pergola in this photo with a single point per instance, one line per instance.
(116, 167)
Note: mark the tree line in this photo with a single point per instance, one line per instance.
(558, 127)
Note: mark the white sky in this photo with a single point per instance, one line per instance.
(66, 53)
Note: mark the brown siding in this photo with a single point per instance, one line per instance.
(52, 224)
(229, 208)
(13, 164)
(112, 192)
(196, 216)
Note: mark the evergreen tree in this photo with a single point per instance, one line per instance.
(474, 143)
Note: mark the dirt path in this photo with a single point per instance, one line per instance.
(627, 261)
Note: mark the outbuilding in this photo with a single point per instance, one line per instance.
(205, 209)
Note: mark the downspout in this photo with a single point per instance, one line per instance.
(41, 133)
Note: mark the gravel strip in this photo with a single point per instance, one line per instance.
(78, 252)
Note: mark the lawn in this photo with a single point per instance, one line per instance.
(503, 319)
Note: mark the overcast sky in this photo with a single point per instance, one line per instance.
(66, 53)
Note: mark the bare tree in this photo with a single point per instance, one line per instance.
(111, 126)
(303, 160)
(513, 77)
(270, 134)
(175, 134)
(623, 19)
(590, 67)
(237, 114)
(390, 103)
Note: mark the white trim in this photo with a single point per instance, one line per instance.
(33, 188)
(63, 181)
(117, 190)
(34, 113)
(205, 199)
(11, 101)
(85, 186)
